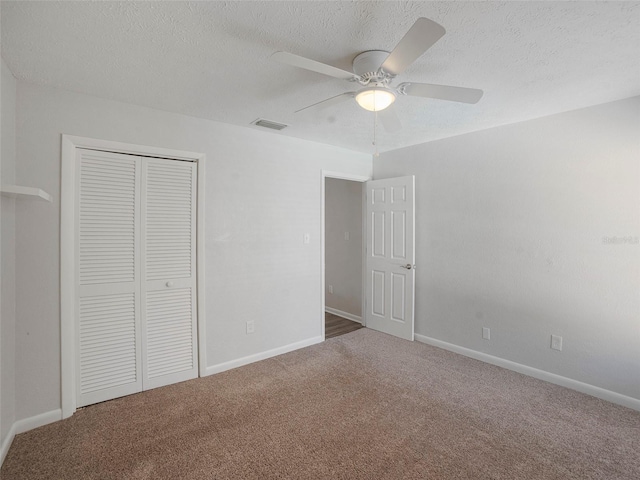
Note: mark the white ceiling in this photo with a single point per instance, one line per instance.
(211, 59)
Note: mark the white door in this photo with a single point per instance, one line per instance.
(390, 256)
(108, 331)
(168, 267)
(136, 274)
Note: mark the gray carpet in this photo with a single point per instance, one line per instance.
(361, 406)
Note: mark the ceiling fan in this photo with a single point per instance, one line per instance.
(375, 70)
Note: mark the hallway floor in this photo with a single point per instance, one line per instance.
(334, 326)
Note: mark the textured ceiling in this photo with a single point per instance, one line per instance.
(211, 59)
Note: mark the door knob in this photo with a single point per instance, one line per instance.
(408, 266)
(169, 284)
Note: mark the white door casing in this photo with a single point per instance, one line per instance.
(136, 293)
(342, 176)
(390, 256)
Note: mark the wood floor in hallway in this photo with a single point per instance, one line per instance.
(334, 326)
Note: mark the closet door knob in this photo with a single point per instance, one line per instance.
(169, 283)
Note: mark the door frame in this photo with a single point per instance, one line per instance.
(68, 293)
(353, 178)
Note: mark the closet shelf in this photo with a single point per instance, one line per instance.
(26, 192)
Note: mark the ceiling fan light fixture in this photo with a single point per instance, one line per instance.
(375, 99)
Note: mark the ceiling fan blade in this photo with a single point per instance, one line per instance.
(329, 101)
(442, 92)
(389, 119)
(420, 37)
(308, 64)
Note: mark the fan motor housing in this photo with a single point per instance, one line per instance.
(367, 64)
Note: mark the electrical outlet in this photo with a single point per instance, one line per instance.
(251, 326)
(486, 333)
(330, 288)
(556, 342)
(347, 236)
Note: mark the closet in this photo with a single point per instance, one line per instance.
(135, 227)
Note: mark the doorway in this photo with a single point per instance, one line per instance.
(388, 266)
(342, 251)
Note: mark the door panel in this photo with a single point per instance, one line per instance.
(378, 234)
(390, 256)
(169, 332)
(398, 293)
(379, 293)
(398, 235)
(169, 290)
(108, 272)
(108, 353)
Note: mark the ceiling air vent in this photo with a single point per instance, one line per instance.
(261, 122)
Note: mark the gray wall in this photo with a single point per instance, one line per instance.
(7, 253)
(343, 257)
(262, 196)
(515, 230)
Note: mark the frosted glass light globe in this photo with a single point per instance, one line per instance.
(375, 99)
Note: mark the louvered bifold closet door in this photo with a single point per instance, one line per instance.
(168, 267)
(108, 310)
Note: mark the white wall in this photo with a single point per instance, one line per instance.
(263, 195)
(512, 229)
(343, 257)
(7, 253)
(510, 236)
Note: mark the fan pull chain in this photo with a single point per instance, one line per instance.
(375, 127)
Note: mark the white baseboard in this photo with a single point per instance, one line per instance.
(592, 390)
(25, 425)
(221, 367)
(340, 313)
(36, 421)
(6, 443)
